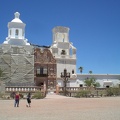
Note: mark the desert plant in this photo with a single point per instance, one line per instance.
(83, 93)
(116, 91)
(90, 72)
(113, 91)
(96, 84)
(109, 92)
(38, 95)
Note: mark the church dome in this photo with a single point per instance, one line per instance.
(16, 19)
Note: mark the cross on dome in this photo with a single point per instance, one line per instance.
(17, 14)
(16, 19)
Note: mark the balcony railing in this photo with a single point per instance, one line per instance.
(75, 89)
(23, 89)
(41, 75)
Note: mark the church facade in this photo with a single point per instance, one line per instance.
(44, 68)
(27, 65)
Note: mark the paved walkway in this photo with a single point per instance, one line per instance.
(55, 107)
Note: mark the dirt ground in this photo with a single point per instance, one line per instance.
(55, 107)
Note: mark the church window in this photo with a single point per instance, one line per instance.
(63, 38)
(38, 71)
(72, 71)
(16, 33)
(45, 71)
(63, 52)
(41, 72)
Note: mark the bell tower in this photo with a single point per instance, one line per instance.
(63, 50)
(16, 32)
(61, 34)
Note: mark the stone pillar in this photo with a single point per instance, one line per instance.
(44, 88)
(57, 89)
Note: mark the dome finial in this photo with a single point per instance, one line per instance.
(17, 14)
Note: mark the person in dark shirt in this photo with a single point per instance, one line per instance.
(28, 100)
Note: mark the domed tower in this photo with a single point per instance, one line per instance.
(16, 32)
(63, 50)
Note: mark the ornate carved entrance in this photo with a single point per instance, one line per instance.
(44, 68)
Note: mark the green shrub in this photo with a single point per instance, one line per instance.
(116, 91)
(109, 92)
(83, 93)
(113, 91)
(38, 95)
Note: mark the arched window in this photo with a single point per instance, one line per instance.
(63, 37)
(63, 52)
(72, 71)
(16, 33)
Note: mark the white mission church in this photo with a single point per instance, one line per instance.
(17, 58)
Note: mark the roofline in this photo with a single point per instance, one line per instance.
(95, 74)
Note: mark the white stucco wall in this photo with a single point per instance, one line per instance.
(69, 67)
(99, 78)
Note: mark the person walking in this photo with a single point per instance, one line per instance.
(28, 100)
(17, 97)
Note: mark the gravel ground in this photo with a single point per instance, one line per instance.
(55, 107)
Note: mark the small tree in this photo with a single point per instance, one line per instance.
(97, 84)
(82, 93)
(90, 72)
(38, 95)
(91, 82)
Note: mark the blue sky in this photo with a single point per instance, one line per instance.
(94, 28)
